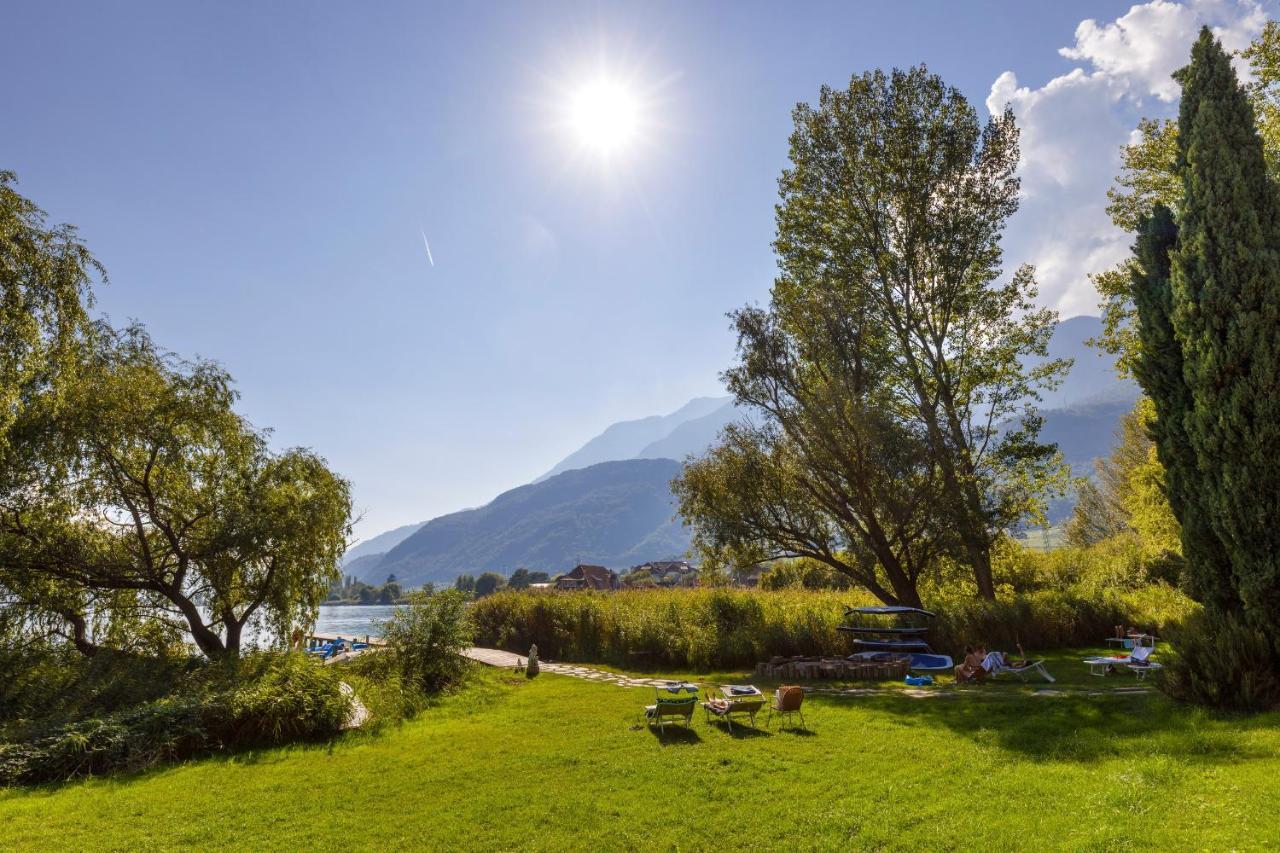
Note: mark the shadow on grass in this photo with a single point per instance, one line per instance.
(1085, 729)
(741, 731)
(674, 735)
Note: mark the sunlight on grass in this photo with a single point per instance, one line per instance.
(560, 763)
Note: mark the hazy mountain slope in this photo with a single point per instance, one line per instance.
(363, 567)
(693, 437)
(1092, 378)
(626, 520)
(613, 514)
(626, 440)
(380, 544)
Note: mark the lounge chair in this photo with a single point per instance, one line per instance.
(1138, 661)
(673, 700)
(1022, 670)
(786, 702)
(725, 706)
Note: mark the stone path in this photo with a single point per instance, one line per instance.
(509, 660)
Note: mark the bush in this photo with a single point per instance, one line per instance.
(261, 700)
(266, 699)
(803, 573)
(426, 637)
(1221, 662)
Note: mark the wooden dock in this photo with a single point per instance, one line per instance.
(313, 639)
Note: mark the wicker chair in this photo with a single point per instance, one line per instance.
(786, 702)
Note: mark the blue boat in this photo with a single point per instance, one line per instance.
(923, 662)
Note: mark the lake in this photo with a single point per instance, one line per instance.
(359, 619)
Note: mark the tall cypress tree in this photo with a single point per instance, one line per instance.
(1225, 275)
(1159, 369)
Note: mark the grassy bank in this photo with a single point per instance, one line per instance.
(703, 629)
(559, 763)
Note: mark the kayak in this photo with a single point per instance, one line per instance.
(925, 662)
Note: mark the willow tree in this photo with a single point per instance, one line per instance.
(135, 504)
(46, 286)
(889, 371)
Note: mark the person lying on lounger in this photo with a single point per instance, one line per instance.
(997, 660)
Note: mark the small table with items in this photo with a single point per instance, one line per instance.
(1130, 641)
(734, 699)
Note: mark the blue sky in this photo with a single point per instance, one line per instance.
(257, 179)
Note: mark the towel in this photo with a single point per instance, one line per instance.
(993, 661)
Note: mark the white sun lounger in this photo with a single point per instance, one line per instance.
(1036, 666)
(1139, 661)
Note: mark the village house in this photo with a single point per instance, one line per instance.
(588, 577)
(669, 572)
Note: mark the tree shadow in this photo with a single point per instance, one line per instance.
(1086, 729)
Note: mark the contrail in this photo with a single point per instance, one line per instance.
(428, 245)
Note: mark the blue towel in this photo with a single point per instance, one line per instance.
(919, 680)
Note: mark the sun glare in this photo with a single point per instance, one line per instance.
(604, 116)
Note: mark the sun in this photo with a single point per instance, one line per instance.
(604, 116)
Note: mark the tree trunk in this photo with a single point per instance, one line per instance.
(207, 641)
(234, 632)
(80, 634)
(980, 559)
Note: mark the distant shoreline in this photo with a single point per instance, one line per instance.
(362, 604)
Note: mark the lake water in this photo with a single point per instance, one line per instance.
(359, 619)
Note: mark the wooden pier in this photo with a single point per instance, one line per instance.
(314, 639)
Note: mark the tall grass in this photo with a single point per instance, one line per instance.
(704, 629)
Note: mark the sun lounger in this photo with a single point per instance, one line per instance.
(1022, 670)
(672, 701)
(1138, 661)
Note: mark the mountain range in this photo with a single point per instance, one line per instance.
(609, 501)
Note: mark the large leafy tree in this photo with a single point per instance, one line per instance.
(143, 480)
(135, 503)
(46, 281)
(888, 371)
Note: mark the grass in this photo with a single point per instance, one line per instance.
(560, 763)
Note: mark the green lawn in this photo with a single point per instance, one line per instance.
(559, 763)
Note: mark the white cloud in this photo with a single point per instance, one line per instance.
(1074, 125)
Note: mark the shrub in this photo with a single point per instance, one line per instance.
(261, 700)
(1221, 662)
(425, 639)
(272, 698)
